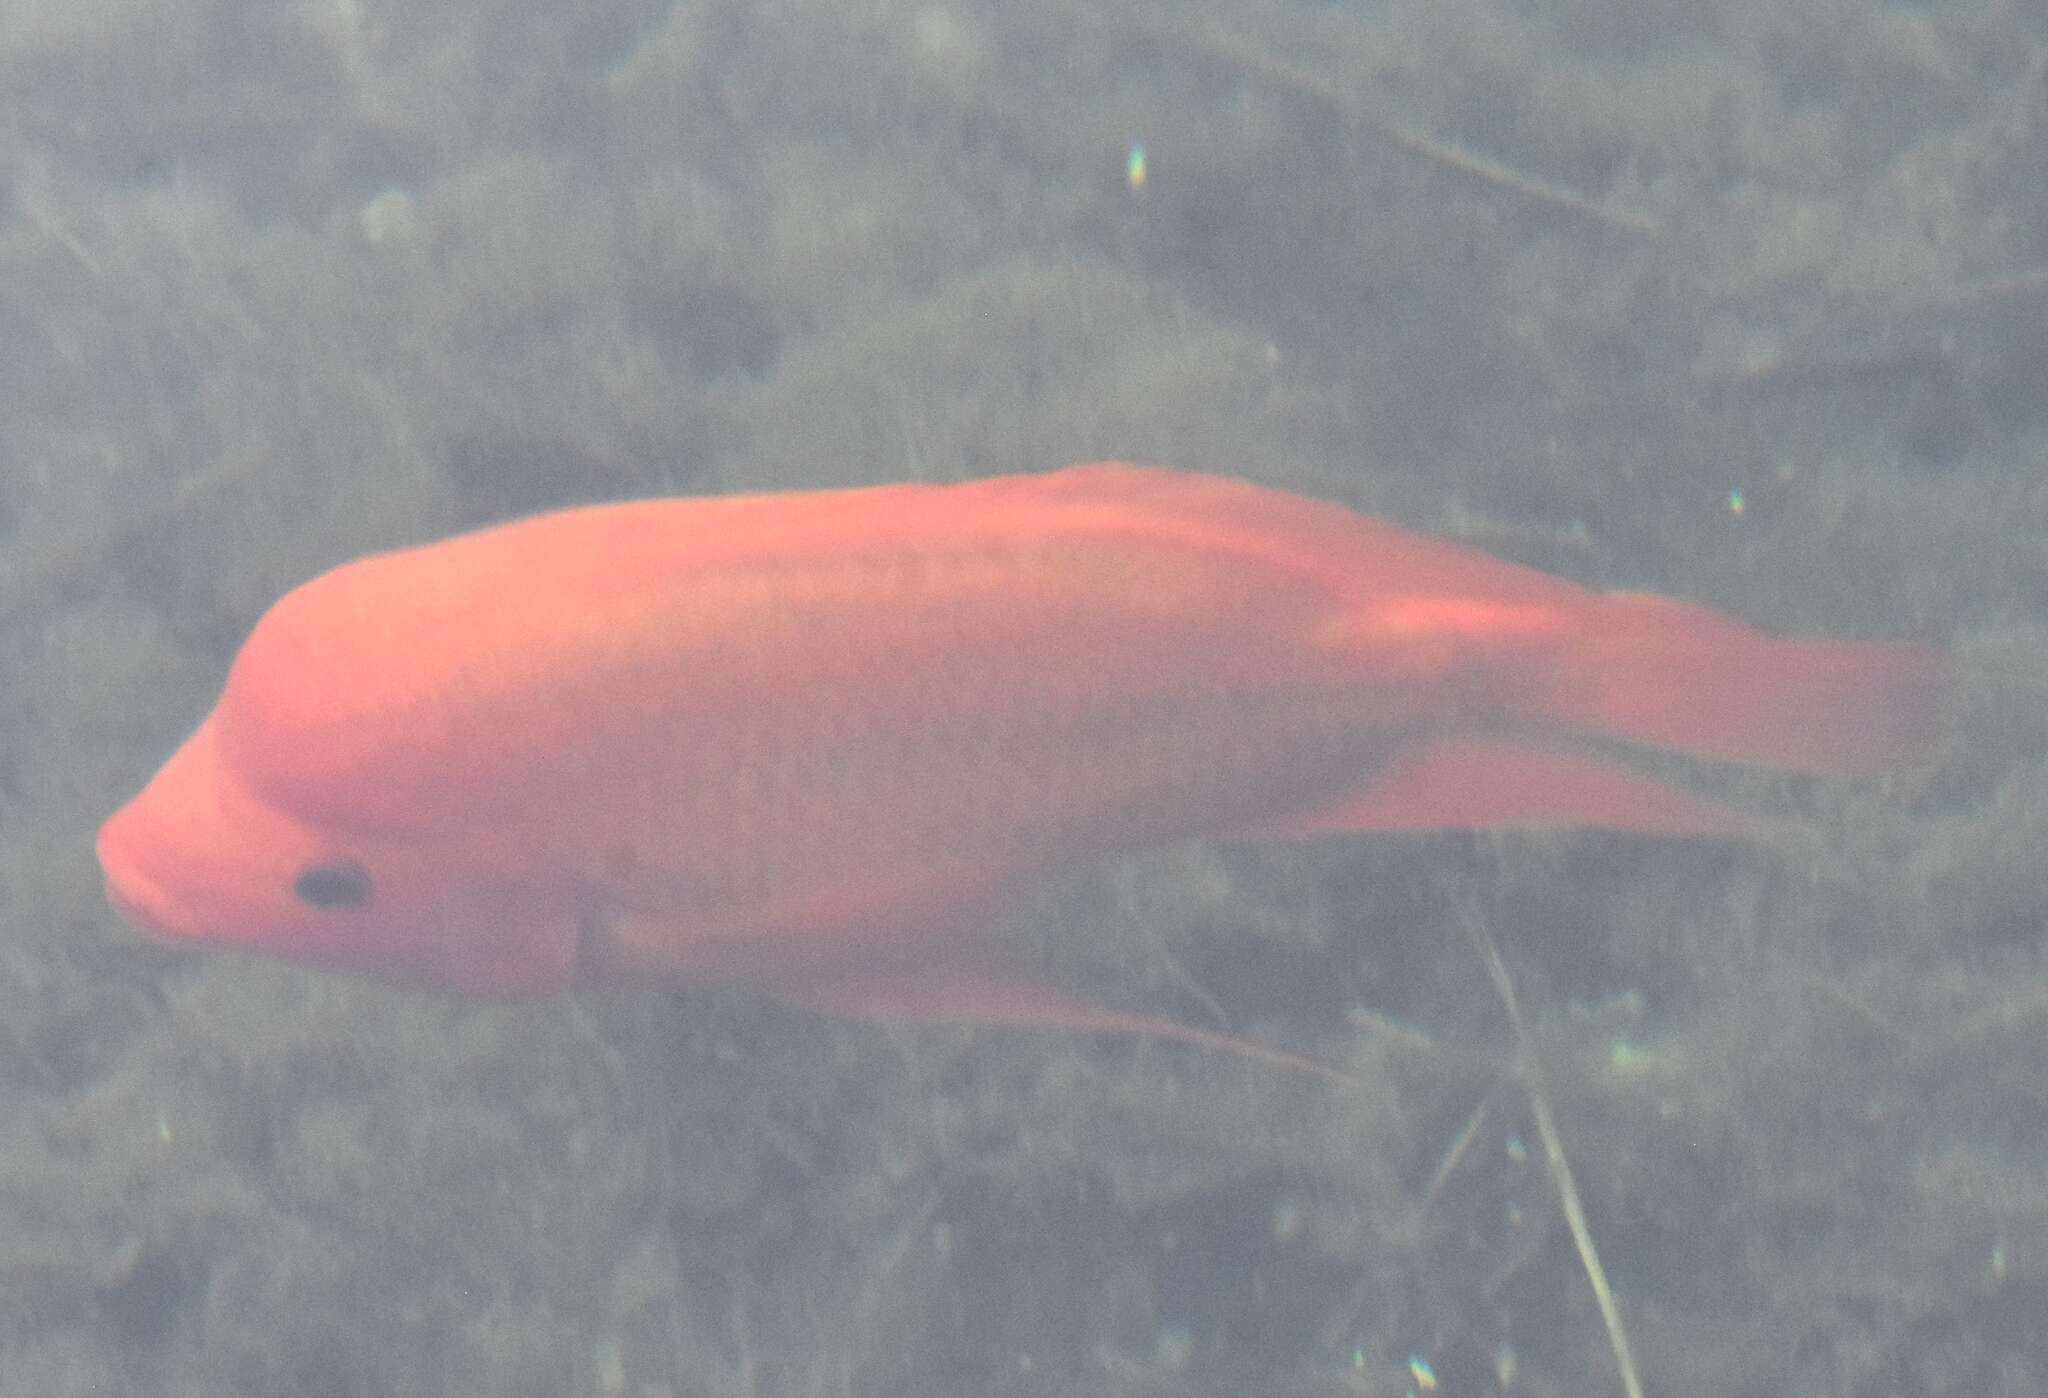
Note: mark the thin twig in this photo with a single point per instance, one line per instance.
(1560, 1168)
(1446, 156)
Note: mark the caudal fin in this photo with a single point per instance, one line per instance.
(1669, 674)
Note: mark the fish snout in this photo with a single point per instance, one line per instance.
(142, 901)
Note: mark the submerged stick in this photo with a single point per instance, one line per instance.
(1445, 155)
(1561, 1170)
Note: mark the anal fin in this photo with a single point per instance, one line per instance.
(1475, 783)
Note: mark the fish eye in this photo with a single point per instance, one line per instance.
(333, 883)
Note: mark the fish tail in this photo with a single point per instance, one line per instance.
(1672, 675)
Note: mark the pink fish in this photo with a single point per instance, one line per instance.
(810, 741)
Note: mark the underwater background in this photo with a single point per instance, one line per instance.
(1740, 302)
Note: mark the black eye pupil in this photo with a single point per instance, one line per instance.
(340, 883)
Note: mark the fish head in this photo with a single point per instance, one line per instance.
(205, 854)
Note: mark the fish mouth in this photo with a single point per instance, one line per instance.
(137, 908)
(126, 908)
(142, 902)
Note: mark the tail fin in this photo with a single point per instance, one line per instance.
(1669, 674)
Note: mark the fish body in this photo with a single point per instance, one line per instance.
(808, 741)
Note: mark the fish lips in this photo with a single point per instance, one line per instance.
(144, 902)
(187, 858)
